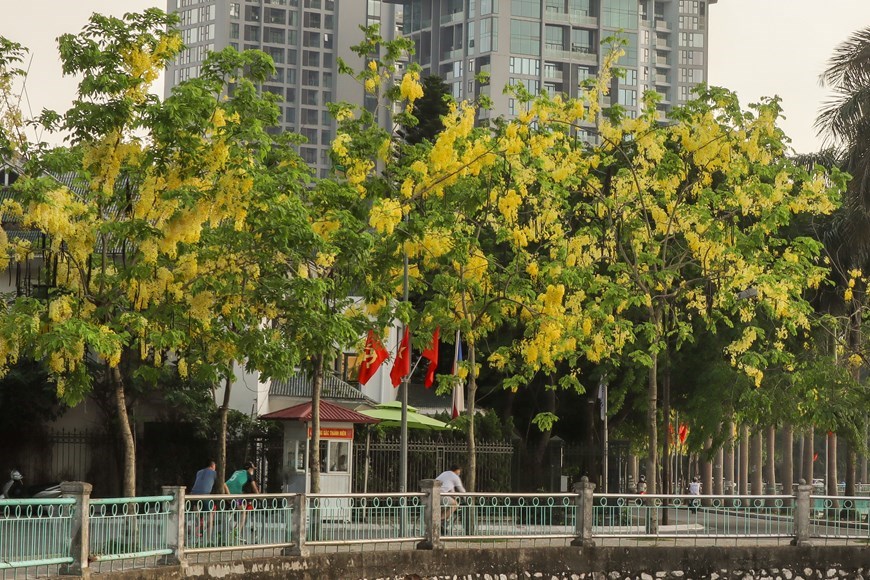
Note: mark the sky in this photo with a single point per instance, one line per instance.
(757, 48)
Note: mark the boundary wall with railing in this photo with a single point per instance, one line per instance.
(76, 535)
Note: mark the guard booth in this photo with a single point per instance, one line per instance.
(336, 446)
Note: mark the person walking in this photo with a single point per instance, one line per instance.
(451, 482)
(695, 489)
(241, 482)
(204, 485)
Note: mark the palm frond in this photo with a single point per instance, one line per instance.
(849, 67)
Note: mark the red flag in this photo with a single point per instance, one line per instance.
(683, 433)
(431, 354)
(402, 364)
(373, 355)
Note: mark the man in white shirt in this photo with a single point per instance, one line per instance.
(450, 483)
(695, 489)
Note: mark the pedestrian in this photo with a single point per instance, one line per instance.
(695, 489)
(204, 485)
(241, 482)
(641, 485)
(451, 482)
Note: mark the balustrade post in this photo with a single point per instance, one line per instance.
(802, 508)
(79, 537)
(431, 515)
(298, 526)
(584, 500)
(175, 527)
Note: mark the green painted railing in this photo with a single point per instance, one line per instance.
(35, 532)
(511, 515)
(381, 517)
(214, 523)
(690, 516)
(126, 528)
(840, 517)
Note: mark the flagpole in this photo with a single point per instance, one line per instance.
(403, 458)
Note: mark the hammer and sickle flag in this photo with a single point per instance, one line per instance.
(373, 355)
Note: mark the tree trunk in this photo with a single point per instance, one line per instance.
(851, 462)
(787, 458)
(543, 473)
(707, 468)
(743, 476)
(667, 476)
(126, 432)
(223, 411)
(831, 476)
(728, 487)
(809, 455)
(314, 451)
(756, 452)
(470, 479)
(718, 469)
(863, 475)
(770, 460)
(652, 427)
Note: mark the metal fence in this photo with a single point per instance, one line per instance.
(36, 536)
(376, 464)
(128, 528)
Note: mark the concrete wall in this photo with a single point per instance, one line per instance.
(600, 563)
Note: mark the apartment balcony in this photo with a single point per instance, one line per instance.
(662, 45)
(662, 25)
(582, 55)
(662, 80)
(453, 17)
(452, 54)
(571, 18)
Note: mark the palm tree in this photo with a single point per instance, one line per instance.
(845, 121)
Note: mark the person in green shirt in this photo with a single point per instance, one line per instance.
(238, 481)
(243, 482)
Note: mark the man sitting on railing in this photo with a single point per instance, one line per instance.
(450, 482)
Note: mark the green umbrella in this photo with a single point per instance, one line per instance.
(390, 415)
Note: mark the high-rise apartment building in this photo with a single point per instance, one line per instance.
(554, 45)
(304, 38)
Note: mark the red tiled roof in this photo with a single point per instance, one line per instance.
(328, 413)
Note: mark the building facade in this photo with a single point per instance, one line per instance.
(554, 45)
(305, 38)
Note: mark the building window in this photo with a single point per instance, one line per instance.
(526, 8)
(533, 86)
(235, 11)
(583, 41)
(525, 66)
(525, 37)
(277, 54)
(309, 117)
(311, 20)
(554, 37)
(310, 58)
(276, 16)
(311, 39)
(488, 35)
(252, 13)
(312, 4)
(628, 97)
(310, 96)
(310, 78)
(619, 13)
(273, 35)
(488, 7)
(252, 33)
(234, 30)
